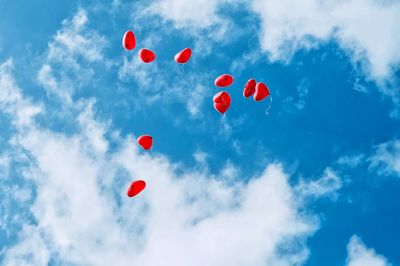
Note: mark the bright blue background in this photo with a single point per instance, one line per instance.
(336, 119)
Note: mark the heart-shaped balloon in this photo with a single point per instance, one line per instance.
(224, 80)
(145, 141)
(222, 101)
(135, 188)
(183, 56)
(249, 88)
(129, 40)
(147, 55)
(222, 108)
(262, 92)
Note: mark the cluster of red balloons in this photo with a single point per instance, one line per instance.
(222, 100)
(147, 55)
(260, 90)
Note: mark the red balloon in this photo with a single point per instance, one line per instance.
(262, 92)
(147, 55)
(249, 88)
(183, 56)
(222, 101)
(129, 40)
(145, 141)
(135, 188)
(224, 80)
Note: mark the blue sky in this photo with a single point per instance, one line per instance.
(313, 183)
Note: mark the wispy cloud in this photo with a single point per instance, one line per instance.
(12, 100)
(386, 158)
(73, 45)
(382, 159)
(359, 255)
(328, 185)
(298, 102)
(351, 160)
(198, 15)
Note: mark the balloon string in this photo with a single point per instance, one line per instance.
(221, 124)
(182, 68)
(269, 106)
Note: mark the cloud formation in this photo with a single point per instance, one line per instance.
(386, 158)
(74, 47)
(359, 255)
(291, 25)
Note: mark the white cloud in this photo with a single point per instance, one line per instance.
(247, 58)
(299, 101)
(200, 157)
(198, 14)
(149, 77)
(75, 40)
(11, 99)
(195, 100)
(383, 159)
(328, 185)
(229, 171)
(360, 255)
(4, 165)
(351, 160)
(73, 45)
(32, 250)
(47, 79)
(386, 158)
(302, 91)
(367, 29)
